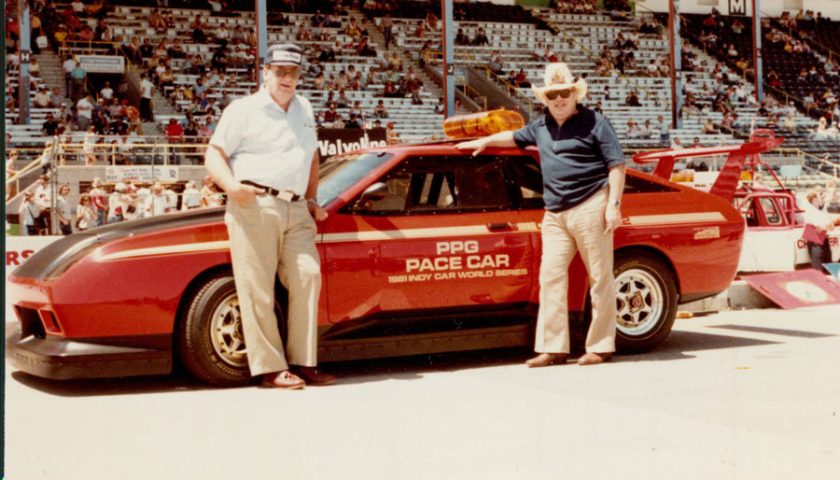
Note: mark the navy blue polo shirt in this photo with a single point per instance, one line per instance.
(575, 157)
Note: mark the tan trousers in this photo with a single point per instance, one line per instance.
(580, 228)
(267, 238)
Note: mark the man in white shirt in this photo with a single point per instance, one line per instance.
(84, 112)
(68, 66)
(190, 197)
(157, 202)
(264, 154)
(107, 92)
(147, 89)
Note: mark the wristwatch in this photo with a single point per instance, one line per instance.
(617, 203)
(311, 201)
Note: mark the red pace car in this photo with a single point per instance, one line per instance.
(426, 249)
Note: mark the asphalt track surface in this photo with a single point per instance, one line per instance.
(751, 394)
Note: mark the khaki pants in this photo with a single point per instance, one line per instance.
(267, 238)
(580, 228)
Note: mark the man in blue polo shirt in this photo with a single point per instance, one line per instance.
(583, 178)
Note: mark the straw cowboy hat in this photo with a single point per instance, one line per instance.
(558, 77)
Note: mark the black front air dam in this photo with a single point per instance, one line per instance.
(62, 359)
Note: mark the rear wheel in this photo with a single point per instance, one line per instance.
(646, 302)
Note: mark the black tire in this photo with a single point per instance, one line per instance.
(210, 343)
(646, 301)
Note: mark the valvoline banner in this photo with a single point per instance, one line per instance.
(335, 141)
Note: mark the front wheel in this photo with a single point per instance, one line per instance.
(210, 343)
(646, 302)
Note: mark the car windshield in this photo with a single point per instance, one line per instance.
(341, 172)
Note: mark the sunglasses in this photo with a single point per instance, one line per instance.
(293, 72)
(552, 94)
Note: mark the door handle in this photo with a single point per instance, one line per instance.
(501, 227)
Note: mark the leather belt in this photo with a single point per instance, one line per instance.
(281, 194)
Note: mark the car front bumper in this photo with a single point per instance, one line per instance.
(62, 359)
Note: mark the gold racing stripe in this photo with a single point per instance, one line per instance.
(414, 233)
(674, 218)
(168, 250)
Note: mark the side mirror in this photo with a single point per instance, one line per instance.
(374, 193)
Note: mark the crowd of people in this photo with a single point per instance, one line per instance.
(101, 204)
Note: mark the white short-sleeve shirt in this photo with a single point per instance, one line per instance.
(266, 144)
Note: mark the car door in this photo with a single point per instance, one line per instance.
(445, 233)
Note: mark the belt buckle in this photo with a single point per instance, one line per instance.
(285, 195)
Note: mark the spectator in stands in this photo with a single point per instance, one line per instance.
(157, 203)
(353, 122)
(45, 160)
(646, 130)
(391, 134)
(147, 89)
(147, 50)
(78, 76)
(676, 144)
(823, 131)
(480, 38)
(390, 90)
(695, 143)
(461, 38)
(30, 215)
(522, 79)
(62, 211)
(495, 63)
(549, 55)
(102, 32)
(440, 106)
(107, 92)
(42, 98)
(118, 203)
(85, 213)
(709, 127)
(632, 99)
(387, 30)
(395, 62)
(211, 196)
(34, 67)
(342, 100)
(84, 112)
(158, 21)
(56, 98)
(50, 125)
(190, 197)
(632, 131)
(89, 146)
(174, 132)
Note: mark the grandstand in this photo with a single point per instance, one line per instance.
(201, 56)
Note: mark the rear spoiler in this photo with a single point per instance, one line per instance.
(727, 180)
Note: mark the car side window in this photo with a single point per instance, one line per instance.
(771, 212)
(439, 184)
(528, 178)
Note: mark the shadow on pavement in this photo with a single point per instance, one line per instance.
(679, 344)
(110, 386)
(677, 347)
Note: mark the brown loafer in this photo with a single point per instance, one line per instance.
(284, 379)
(313, 376)
(595, 358)
(546, 359)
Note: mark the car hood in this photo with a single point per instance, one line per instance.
(66, 250)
